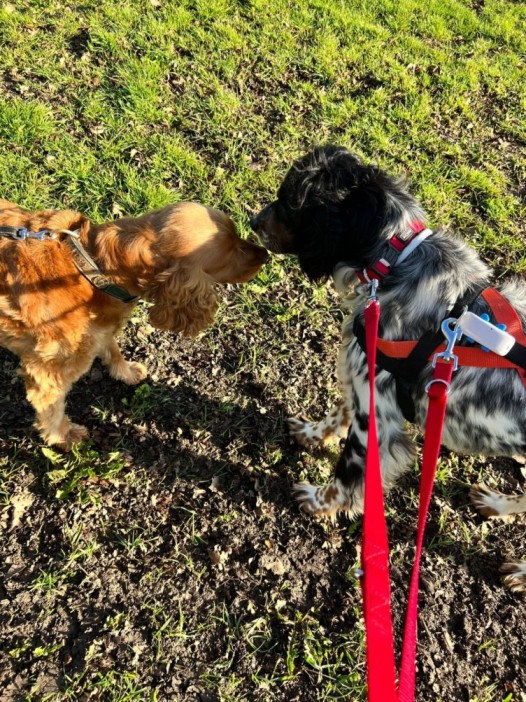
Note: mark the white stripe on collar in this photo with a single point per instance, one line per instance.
(419, 238)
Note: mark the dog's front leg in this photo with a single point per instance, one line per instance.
(46, 391)
(129, 372)
(345, 492)
(336, 424)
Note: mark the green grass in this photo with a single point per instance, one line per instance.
(135, 106)
(123, 107)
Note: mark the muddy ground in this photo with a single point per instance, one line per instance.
(168, 560)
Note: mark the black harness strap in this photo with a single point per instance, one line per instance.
(406, 371)
(517, 355)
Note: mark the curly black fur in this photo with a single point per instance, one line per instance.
(336, 209)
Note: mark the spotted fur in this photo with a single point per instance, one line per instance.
(336, 214)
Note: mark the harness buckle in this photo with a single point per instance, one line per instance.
(452, 335)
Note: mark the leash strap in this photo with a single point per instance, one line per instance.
(437, 390)
(85, 264)
(381, 669)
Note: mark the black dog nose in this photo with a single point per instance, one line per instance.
(254, 221)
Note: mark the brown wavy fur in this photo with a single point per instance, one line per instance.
(57, 322)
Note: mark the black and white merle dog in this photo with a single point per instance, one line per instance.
(336, 214)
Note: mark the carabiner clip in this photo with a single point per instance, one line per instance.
(452, 336)
(372, 285)
(21, 234)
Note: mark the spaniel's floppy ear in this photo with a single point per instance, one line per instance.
(184, 300)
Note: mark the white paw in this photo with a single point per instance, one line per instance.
(514, 575)
(321, 501)
(302, 431)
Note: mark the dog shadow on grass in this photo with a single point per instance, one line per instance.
(175, 430)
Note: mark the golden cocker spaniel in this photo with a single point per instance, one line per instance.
(57, 321)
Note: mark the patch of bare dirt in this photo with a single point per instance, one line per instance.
(202, 565)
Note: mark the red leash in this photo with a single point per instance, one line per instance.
(437, 391)
(381, 668)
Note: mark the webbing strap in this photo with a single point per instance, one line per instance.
(376, 588)
(381, 668)
(438, 389)
(89, 269)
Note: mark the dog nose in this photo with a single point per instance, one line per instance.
(254, 222)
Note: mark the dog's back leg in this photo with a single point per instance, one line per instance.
(514, 575)
(491, 503)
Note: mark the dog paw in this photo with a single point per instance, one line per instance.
(302, 431)
(485, 500)
(514, 575)
(320, 501)
(76, 434)
(130, 372)
(491, 503)
(69, 435)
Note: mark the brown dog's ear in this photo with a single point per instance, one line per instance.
(184, 300)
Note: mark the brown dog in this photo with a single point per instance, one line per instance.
(57, 321)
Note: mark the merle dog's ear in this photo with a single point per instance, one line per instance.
(364, 208)
(346, 227)
(321, 238)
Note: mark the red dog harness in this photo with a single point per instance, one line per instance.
(476, 357)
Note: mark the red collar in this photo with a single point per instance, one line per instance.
(394, 247)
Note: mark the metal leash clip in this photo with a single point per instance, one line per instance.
(452, 335)
(372, 285)
(22, 233)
